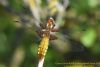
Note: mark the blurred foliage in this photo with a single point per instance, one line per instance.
(79, 30)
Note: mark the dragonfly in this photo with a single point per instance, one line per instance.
(45, 34)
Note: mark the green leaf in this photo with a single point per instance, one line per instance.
(93, 3)
(89, 38)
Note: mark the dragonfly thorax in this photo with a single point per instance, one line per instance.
(46, 32)
(47, 29)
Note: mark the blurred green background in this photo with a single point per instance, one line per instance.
(78, 40)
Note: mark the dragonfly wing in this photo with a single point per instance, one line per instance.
(43, 26)
(54, 30)
(40, 33)
(52, 37)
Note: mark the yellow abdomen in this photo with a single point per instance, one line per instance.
(43, 47)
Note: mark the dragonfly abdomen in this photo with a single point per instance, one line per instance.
(43, 47)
